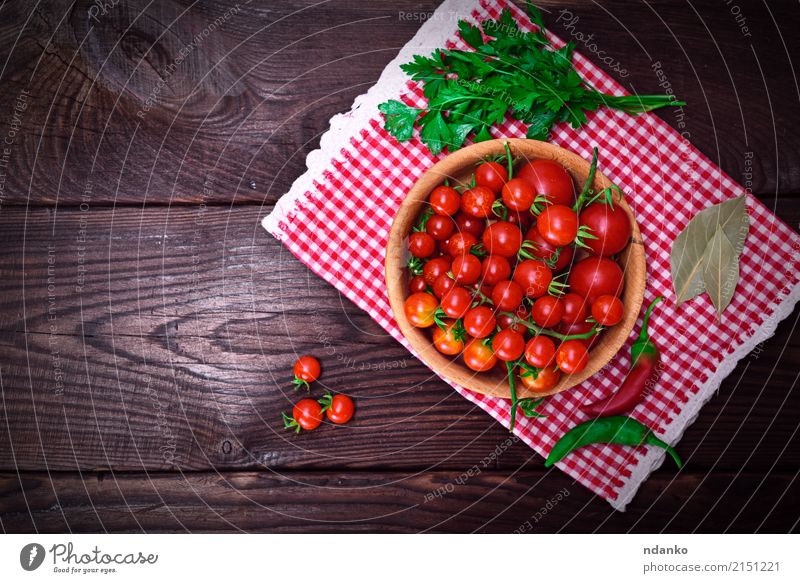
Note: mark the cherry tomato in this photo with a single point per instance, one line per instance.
(306, 414)
(594, 277)
(477, 202)
(579, 328)
(446, 340)
(306, 369)
(478, 356)
(479, 322)
(421, 245)
(540, 351)
(440, 227)
(494, 269)
(534, 277)
(576, 308)
(610, 225)
(443, 248)
(472, 225)
(460, 243)
(550, 179)
(547, 311)
(502, 238)
(466, 269)
(545, 251)
(558, 224)
(442, 285)
(507, 295)
(522, 219)
(572, 356)
(444, 200)
(508, 345)
(434, 268)
(338, 409)
(518, 195)
(456, 302)
(417, 284)
(546, 379)
(607, 310)
(492, 175)
(420, 308)
(509, 323)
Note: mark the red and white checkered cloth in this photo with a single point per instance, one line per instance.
(336, 220)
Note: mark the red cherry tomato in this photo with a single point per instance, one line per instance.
(460, 243)
(477, 202)
(518, 195)
(472, 225)
(479, 322)
(466, 269)
(508, 345)
(492, 175)
(610, 225)
(576, 308)
(502, 238)
(446, 340)
(434, 268)
(306, 414)
(543, 250)
(420, 308)
(494, 269)
(550, 179)
(540, 351)
(579, 328)
(440, 227)
(507, 295)
(306, 369)
(607, 310)
(546, 379)
(558, 224)
(534, 277)
(338, 409)
(417, 284)
(522, 219)
(444, 200)
(478, 356)
(509, 323)
(442, 285)
(547, 311)
(594, 277)
(456, 302)
(421, 245)
(572, 356)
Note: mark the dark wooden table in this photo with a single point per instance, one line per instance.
(148, 324)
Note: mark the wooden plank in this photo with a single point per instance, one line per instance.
(176, 348)
(480, 501)
(126, 119)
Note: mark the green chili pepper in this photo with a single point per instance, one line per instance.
(619, 429)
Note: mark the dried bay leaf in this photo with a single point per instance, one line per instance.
(720, 270)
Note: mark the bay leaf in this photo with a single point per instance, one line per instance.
(686, 257)
(720, 270)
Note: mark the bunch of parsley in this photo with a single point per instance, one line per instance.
(512, 72)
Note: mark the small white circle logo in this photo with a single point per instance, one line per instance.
(31, 556)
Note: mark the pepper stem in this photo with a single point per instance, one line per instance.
(651, 439)
(642, 343)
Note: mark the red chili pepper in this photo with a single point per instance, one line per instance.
(641, 378)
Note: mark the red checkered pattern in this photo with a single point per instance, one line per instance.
(340, 228)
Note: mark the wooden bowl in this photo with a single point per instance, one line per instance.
(458, 167)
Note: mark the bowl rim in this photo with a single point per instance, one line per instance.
(459, 163)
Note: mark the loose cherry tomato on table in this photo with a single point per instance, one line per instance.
(440, 227)
(518, 195)
(495, 269)
(540, 351)
(534, 277)
(546, 379)
(558, 225)
(576, 308)
(456, 302)
(420, 308)
(306, 370)
(508, 345)
(492, 175)
(610, 225)
(421, 245)
(417, 284)
(434, 268)
(450, 339)
(442, 285)
(607, 310)
(477, 202)
(338, 409)
(466, 269)
(507, 295)
(549, 179)
(478, 357)
(594, 277)
(479, 322)
(306, 414)
(472, 225)
(444, 200)
(502, 238)
(572, 356)
(547, 311)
